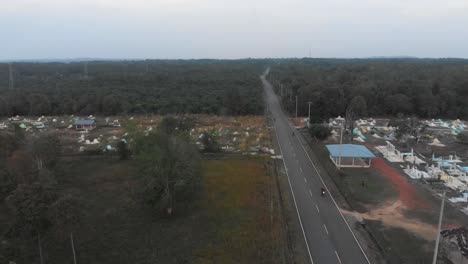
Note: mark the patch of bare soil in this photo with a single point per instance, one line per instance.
(392, 215)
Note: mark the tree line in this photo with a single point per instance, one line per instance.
(131, 87)
(427, 88)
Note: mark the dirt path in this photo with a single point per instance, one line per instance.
(391, 214)
(408, 194)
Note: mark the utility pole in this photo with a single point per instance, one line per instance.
(296, 106)
(12, 80)
(341, 143)
(73, 247)
(308, 120)
(436, 250)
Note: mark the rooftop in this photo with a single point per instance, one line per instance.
(85, 122)
(349, 151)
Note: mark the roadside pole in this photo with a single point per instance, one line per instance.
(308, 120)
(436, 250)
(296, 106)
(341, 142)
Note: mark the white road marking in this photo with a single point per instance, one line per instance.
(305, 179)
(295, 204)
(318, 210)
(310, 192)
(300, 169)
(338, 257)
(326, 230)
(334, 202)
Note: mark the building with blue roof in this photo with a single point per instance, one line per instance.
(350, 155)
(85, 124)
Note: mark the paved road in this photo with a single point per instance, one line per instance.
(328, 238)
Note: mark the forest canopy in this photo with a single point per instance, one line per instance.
(139, 87)
(427, 88)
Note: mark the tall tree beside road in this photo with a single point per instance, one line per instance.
(356, 108)
(319, 131)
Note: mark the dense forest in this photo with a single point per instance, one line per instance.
(137, 87)
(427, 88)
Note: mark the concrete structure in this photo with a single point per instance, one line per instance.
(350, 155)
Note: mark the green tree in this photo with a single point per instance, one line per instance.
(65, 213)
(170, 167)
(319, 131)
(19, 133)
(4, 106)
(39, 104)
(210, 144)
(168, 125)
(111, 105)
(356, 109)
(122, 150)
(46, 150)
(30, 203)
(7, 183)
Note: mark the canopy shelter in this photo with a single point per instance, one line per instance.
(350, 155)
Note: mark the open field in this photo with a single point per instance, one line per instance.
(230, 221)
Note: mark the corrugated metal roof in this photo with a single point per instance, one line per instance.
(85, 122)
(350, 151)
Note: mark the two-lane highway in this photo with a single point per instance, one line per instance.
(328, 237)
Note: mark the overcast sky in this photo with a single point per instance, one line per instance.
(33, 29)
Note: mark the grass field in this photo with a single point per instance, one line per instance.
(230, 221)
(235, 211)
(365, 187)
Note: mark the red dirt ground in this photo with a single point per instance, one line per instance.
(408, 194)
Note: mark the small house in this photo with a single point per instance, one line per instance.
(85, 124)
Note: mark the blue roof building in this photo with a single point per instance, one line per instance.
(85, 124)
(350, 155)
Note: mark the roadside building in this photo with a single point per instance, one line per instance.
(350, 155)
(85, 124)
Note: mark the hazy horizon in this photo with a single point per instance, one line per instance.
(199, 29)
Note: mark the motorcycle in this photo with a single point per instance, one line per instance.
(322, 191)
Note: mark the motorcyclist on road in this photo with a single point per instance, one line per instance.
(293, 133)
(322, 191)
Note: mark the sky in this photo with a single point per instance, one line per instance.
(186, 29)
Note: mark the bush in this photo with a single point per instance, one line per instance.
(122, 149)
(319, 131)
